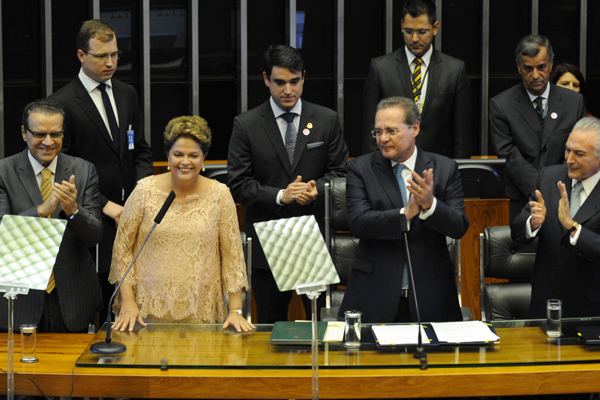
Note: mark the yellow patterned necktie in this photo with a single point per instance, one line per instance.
(45, 190)
(416, 79)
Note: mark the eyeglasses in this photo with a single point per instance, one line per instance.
(390, 132)
(104, 56)
(42, 135)
(419, 32)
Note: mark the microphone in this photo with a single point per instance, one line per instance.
(420, 354)
(108, 346)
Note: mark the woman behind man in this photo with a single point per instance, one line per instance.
(194, 257)
(570, 77)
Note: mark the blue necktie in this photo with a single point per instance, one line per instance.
(398, 171)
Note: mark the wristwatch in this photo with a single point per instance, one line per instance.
(236, 311)
(574, 227)
(74, 213)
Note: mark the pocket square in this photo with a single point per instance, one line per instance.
(314, 145)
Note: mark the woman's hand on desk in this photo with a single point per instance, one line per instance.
(238, 322)
(129, 314)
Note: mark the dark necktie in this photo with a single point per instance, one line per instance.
(539, 109)
(416, 79)
(576, 198)
(110, 115)
(290, 135)
(45, 190)
(398, 171)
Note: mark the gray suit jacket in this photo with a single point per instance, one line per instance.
(86, 137)
(374, 202)
(258, 165)
(77, 284)
(446, 118)
(562, 271)
(517, 134)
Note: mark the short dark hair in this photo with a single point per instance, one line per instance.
(283, 56)
(417, 8)
(188, 126)
(530, 45)
(411, 112)
(42, 106)
(562, 68)
(94, 28)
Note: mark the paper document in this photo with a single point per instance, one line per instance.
(464, 332)
(398, 335)
(335, 331)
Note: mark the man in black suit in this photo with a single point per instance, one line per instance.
(104, 125)
(386, 189)
(563, 213)
(40, 182)
(528, 135)
(280, 155)
(438, 84)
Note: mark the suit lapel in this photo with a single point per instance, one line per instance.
(122, 111)
(306, 118)
(590, 207)
(434, 68)
(527, 112)
(89, 108)
(28, 179)
(555, 108)
(404, 73)
(382, 169)
(271, 129)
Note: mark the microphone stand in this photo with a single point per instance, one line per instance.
(108, 346)
(420, 354)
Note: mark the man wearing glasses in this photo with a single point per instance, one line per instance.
(104, 125)
(436, 82)
(40, 182)
(387, 189)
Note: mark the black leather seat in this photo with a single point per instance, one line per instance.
(501, 257)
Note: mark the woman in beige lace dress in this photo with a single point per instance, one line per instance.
(194, 256)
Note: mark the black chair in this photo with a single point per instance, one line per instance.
(501, 257)
(482, 178)
(340, 242)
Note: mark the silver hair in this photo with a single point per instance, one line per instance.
(590, 124)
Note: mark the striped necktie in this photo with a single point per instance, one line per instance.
(45, 190)
(416, 79)
(539, 109)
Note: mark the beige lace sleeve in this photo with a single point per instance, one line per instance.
(233, 265)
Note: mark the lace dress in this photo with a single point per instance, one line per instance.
(192, 259)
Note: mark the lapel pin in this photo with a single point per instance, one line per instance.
(306, 132)
(309, 125)
(554, 115)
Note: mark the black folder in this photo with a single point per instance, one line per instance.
(589, 334)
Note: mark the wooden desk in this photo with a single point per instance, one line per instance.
(247, 366)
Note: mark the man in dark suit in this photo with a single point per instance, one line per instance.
(104, 125)
(528, 135)
(563, 213)
(439, 86)
(280, 155)
(379, 205)
(73, 295)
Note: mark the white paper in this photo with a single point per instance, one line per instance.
(464, 332)
(335, 331)
(398, 335)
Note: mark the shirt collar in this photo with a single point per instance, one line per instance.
(410, 162)
(277, 111)
(37, 167)
(545, 95)
(588, 184)
(410, 57)
(90, 84)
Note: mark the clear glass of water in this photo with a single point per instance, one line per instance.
(554, 316)
(28, 343)
(352, 332)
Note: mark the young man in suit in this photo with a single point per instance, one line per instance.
(528, 135)
(281, 153)
(436, 82)
(563, 213)
(385, 190)
(40, 182)
(104, 125)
